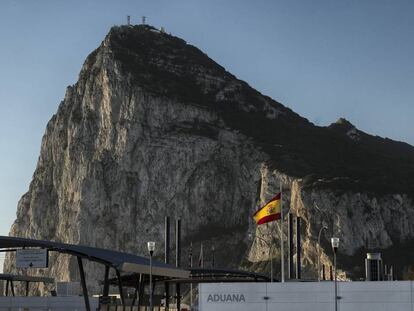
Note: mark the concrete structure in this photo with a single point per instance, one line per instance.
(373, 267)
(307, 296)
(46, 303)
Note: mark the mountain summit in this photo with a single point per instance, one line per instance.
(155, 128)
(168, 66)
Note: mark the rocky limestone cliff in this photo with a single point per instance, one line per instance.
(154, 127)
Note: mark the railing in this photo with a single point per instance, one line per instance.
(135, 308)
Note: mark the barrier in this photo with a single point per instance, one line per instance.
(71, 303)
(307, 296)
(134, 308)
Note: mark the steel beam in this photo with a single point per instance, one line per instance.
(298, 249)
(178, 259)
(12, 287)
(290, 247)
(105, 292)
(121, 292)
(136, 290)
(83, 282)
(7, 287)
(141, 290)
(167, 259)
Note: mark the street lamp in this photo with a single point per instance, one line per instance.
(151, 249)
(270, 255)
(335, 245)
(319, 251)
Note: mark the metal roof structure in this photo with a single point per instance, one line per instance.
(198, 275)
(205, 275)
(119, 261)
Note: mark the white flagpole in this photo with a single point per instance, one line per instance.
(191, 266)
(282, 249)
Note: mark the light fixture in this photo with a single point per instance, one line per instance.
(151, 247)
(335, 244)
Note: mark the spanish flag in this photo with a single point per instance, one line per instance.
(269, 212)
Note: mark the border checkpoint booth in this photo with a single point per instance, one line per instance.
(118, 261)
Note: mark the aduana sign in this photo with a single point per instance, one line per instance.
(217, 298)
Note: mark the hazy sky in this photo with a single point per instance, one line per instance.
(324, 59)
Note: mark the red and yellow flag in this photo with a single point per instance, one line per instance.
(269, 212)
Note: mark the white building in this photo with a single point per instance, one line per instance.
(307, 296)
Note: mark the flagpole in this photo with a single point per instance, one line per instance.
(191, 266)
(282, 249)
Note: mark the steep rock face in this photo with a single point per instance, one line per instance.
(363, 221)
(154, 127)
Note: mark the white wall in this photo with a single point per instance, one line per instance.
(45, 303)
(307, 296)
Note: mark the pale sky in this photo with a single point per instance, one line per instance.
(323, 59)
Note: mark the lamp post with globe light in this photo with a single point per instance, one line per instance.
(335, 245)
(151, 249)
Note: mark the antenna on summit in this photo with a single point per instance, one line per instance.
(143, 18)
(128, 20)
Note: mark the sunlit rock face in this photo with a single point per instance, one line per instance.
(155, 128)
